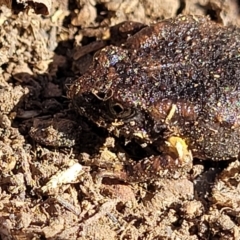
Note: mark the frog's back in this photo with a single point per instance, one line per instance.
(186, 57)
(194, 65)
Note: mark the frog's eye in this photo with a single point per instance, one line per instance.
(119, 111)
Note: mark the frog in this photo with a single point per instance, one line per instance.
(175, 85)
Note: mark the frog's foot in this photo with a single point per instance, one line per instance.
(155, 167)
(175, 160)
(150, 168)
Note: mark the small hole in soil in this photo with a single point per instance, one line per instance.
(213, 14)
(182, 6)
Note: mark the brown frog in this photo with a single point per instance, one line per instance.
(175, 84)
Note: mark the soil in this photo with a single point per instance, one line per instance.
(54, 189)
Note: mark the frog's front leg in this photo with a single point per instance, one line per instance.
(173, 161)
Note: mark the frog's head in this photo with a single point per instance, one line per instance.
(111, 95)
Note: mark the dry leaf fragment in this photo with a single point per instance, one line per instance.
(67, 176)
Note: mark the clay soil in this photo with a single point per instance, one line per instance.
(50, 192)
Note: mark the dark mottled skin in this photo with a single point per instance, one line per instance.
(179, 77)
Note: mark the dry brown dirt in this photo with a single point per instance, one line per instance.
(49, 192)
